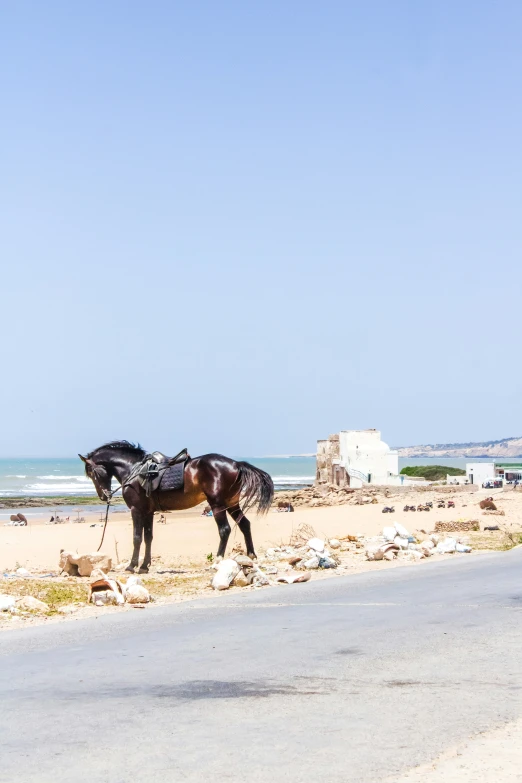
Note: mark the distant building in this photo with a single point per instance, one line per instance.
(499, 473)
(355, 458)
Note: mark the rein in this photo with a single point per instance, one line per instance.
(109, 494)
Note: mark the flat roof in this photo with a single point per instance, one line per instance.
(514, 465)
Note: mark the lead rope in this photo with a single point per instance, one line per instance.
(109, 496)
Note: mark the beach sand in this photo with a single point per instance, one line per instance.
(188, 537)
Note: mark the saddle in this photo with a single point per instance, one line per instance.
(159, 472)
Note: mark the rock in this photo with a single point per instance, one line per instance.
(271, 570)
(327, 562)
(448, 546)
(401, 530)
(402, 543)
(23, 572)
(427, 548)
(82, 565)
(317, 544)
(259, 578)
(293, 577)
(334, 543)
(97, 574)
(389, 554)
(294, 560)
(389, 533)
(225, 574)
(312, 563)
(241, 580)
(107, 591)
(137, 594)
(7, 602)
(68, 609)
(463, 548)
(435, 538)
(244, 561)
(32, 604)
(133, 580)
(86, 563)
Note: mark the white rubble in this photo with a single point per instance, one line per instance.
(7, 603)
(137, 594)
(401, 530)
(32, 604)
(447, 546)
(317, 544)
(83, 565)
(226, 572)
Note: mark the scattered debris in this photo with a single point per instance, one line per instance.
(83, 565)
(293, 577)
(396, 541)
(7, 603)
(226, 572)
(103, 591)
(456, 525)
(136, 593)
(31, 604)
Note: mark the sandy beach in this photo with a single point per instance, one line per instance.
(187, 537)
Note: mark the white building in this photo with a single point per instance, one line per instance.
(355, 458)
(498, 473)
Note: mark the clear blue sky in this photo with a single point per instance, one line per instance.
(240, 226)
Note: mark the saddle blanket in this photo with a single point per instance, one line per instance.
(172, 478)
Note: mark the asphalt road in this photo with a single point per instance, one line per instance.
(348, 679)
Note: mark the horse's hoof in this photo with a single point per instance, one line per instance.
(130, 568)
(143, 570)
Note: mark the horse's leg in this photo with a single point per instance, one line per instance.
(147, 534)
(220, 515)
(137, 524)
(244, 525)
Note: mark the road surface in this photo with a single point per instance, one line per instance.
(357, 678)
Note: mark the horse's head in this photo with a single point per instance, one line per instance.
(115, 459)
(99, 475)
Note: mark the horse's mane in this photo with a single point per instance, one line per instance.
(120, 445)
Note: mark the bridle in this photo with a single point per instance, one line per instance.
(109, 494)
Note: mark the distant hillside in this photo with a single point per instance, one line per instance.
(509, 447)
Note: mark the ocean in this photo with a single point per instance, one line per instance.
(48, 477)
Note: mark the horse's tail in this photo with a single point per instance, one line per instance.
(256, 487)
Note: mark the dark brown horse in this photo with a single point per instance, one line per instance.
(221, 481)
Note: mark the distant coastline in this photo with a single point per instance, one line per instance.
(507, 447)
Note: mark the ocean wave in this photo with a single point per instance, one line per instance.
(16, 476)
(60, 478)
(57, 488)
